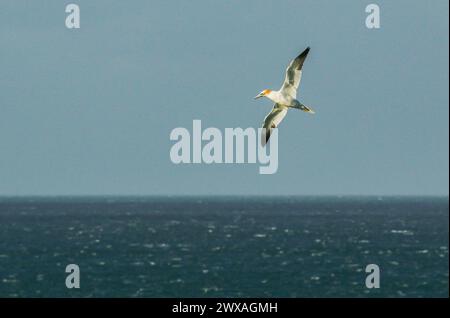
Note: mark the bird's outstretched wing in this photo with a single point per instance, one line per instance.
(294, 74)
(272, 120)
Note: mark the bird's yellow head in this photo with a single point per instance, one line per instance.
(263, 93)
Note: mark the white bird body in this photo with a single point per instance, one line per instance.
(280, 97)
(286, 96)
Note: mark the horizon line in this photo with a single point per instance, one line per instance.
(217, 195)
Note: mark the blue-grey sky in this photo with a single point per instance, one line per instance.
(89, 111)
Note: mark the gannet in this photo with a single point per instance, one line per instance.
(286, 97)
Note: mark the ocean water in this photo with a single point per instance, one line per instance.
(224, 246)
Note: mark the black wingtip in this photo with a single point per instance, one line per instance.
(265, 137)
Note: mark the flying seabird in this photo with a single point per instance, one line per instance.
(286, 97)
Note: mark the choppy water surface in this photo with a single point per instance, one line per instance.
(234, 246)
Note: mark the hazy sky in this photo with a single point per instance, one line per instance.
(89, 111)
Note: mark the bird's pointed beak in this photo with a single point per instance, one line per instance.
(258, 96)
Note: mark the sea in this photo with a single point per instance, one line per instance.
(236, 246)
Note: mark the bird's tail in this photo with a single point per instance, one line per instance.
(304, 108)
